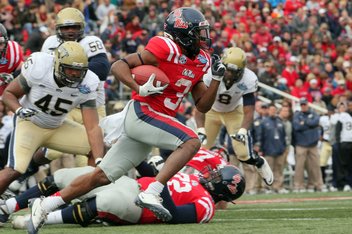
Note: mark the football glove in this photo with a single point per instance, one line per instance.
(240, 136)
(6, 77)
(148, 88)
(217, 68)
(202, 135)
(25, 113)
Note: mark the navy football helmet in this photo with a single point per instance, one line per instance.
(226, 183)
(3, 42)
(189, 29)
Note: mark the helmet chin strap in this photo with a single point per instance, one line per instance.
(58, 81)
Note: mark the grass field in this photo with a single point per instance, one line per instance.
(290, 213)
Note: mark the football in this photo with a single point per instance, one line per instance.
(142, 73)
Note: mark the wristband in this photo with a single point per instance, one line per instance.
(98, 161)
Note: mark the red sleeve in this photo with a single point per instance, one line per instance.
(163, 48)
(20, 57)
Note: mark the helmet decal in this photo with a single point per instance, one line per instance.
(179, 23)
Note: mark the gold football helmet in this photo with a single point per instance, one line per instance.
(71, 64)
(235, 61)
(70, 24)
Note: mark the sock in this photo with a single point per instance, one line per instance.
(260, 162)
(11, 204)
(67, 215)
(22, 200)
(54, 217)
(52, 203)
(155, 188)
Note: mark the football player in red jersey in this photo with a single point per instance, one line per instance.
(149, 118)
(190, 198)
(11, 59)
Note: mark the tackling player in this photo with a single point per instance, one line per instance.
(149, 118)
(234, 108)
(49, 86)
(11, 59)
(70, 26)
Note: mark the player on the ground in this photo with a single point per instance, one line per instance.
(149, 118)
(234, 108)
(11, 59)
(190, 198)
(48, 87)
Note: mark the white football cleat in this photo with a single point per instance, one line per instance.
(153, 203)
(38, 216)
(265, 172)
(20, 221)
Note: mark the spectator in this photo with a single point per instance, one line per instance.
(269, 143)
(306, 135)
(341, 88)
(300, 21)
(36, 40)
(138, 10)
(103, 10)
(152, 22)
(290, 74)
(134, 26)
(300, 91)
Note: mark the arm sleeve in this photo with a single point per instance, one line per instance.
(180, 214)
(248, 99)
(99, 64)
(338, 130)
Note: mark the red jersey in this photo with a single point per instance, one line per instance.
(14, 58)
(184, 189)
(182, 72)
(205, 158)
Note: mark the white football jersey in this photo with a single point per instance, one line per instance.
(324, 122)
(53, 102)
(92, 45)
(5, 130)
(228, 99)
(346, 133)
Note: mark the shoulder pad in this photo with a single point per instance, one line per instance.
(250, 79)
(163, 48)
(50, 44)
(37, 66)
(91, 80)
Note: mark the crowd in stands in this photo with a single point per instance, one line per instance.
(302, 47)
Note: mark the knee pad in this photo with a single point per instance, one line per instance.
(47, 186)
(84, 212)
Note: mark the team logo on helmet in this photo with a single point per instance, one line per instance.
(179, 23)
(236, 179)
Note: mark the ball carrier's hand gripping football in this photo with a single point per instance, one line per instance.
(148, 88)
(151, 79)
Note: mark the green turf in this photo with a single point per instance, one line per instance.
(313, 216)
